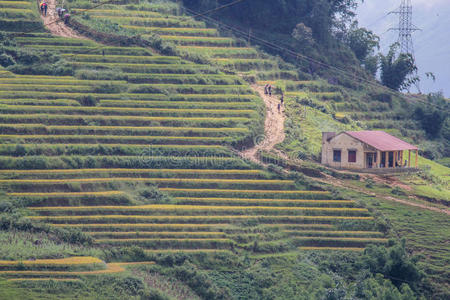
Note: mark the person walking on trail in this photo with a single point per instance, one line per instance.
(282, 98)
(266, 91)
(58, 11)
(45, 8)
(62, 12)
(279, 107)
(270, 90)
(41, 7)
(66, 18)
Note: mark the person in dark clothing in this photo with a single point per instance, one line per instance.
(103, 52)
(266, 91)
(270, 90)
(45, 9)
(282, 98)
(279, 107)
(66, 18)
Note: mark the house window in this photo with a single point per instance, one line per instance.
(352, 156)
(337, 155)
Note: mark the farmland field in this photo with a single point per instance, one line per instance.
(122, 174)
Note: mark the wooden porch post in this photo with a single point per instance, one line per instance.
(401, 158)
(378, 159)
(394, 163)
(417, 158)
(409, 158)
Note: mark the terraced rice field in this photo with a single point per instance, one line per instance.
(76, 149)
(66, 269)
(189, 36)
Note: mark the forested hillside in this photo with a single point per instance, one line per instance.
(134, 157)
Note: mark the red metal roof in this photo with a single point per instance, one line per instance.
(381, 140)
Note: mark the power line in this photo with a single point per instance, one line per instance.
(218, 8)
(271, 45)
(294, 54)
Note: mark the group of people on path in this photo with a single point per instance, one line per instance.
(268, 91)
(62, 12)
(43, 6)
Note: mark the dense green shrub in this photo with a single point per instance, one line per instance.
(26, 61)
(88, 100)
(393, 263)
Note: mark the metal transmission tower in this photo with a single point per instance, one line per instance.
(405, 27)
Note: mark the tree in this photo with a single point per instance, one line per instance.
(281, 16)
(433, 117)
(362, 41)
(393, 263)
(370, 64)
(396, 69)
(303, 34)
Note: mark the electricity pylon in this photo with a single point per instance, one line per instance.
(405, 30)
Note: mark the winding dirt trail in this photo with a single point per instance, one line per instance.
(56, 25)
(273, 127)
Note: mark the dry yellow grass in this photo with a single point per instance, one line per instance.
(174, 233)
(110, 268)
(334, 231)
(332, 248)
(138, 179)
(45, 279)
(155, 207)
(75, 260)
(245, 191)
(188, 251)
(101, 241)
(156, 218)
(265, 200)
(123, 170)
(71, 194)
(141, 225)
(115, 138)
(355, 239)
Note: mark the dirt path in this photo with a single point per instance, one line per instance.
(55, 25)
(273, 126)
(336, 182)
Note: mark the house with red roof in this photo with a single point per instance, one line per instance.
(366, 150)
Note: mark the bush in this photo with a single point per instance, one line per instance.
(88, 100)
(152, 194)
(369, 183)
(154, 294)
(6, 60)
(393, 263)
(14, 221)
(398, 191)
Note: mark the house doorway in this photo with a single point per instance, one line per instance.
(391, 159)
(371, 160)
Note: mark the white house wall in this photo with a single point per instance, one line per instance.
(344, 143)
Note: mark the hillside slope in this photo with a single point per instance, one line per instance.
(130, 154)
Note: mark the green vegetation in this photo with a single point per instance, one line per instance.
(119, 182)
